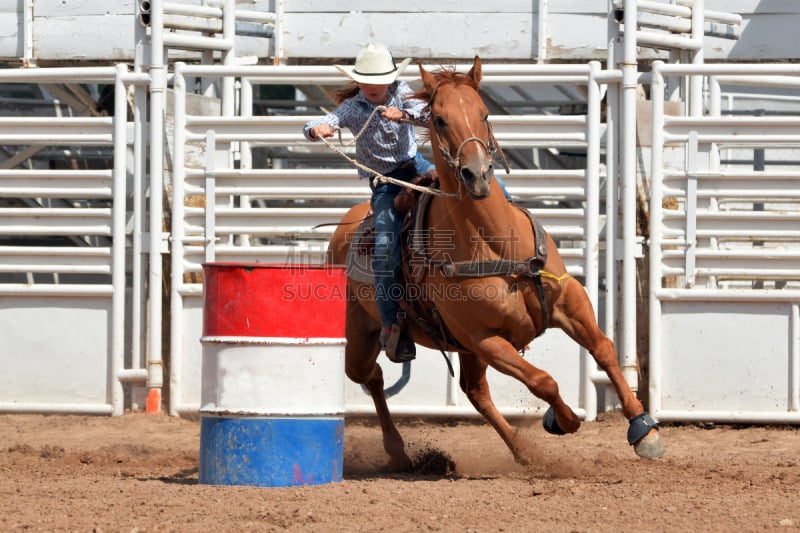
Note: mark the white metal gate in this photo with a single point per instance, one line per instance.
(724, 239)
(725, 254)
(62, 288)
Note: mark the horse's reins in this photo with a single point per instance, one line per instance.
(378, 176)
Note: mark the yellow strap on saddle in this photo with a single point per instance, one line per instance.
(559, 279)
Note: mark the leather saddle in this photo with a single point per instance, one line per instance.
(419, 311)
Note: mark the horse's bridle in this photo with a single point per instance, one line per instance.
(454, 163)
(491, 149)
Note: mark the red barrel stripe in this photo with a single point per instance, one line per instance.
(274, 300)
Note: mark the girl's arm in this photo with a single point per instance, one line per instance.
(415, 109)
(326, 126)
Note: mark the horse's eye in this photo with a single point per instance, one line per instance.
(439, 122)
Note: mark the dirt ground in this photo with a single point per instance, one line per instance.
(138, 473)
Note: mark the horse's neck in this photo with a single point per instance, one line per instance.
(487, 228)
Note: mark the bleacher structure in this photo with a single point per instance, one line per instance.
(143, 139)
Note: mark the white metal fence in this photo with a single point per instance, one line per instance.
(62, 278)
(724, 243)
(725, 255)
(724, 238)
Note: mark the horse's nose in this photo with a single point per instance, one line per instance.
(488, 172)
(476, 179)
(483, 176)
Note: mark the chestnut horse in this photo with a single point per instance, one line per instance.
(487, 230)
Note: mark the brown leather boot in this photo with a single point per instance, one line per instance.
(398, 344)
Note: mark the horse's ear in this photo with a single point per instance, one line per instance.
(428, 80)
(475, 72)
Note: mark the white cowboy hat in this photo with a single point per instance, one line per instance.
(374, 65)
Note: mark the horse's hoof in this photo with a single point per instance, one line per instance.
(650, 447)
(522, 461)
(551, 424)
(400, 465)
(640, 426)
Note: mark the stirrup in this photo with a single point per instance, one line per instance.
(390, 343)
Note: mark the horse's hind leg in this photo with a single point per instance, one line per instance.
(361, 353)
(574, 314)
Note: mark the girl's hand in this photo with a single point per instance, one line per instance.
(392, 113)
(323, 130)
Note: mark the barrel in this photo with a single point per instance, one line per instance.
(272, 395)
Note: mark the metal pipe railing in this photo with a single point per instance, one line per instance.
(700, 239)
(157, 90)
(78, 221)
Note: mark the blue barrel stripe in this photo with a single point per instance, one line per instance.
(270, 452)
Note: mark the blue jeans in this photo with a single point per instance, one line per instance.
(387, 261)
(503, 186)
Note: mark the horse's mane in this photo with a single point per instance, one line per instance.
(443, 76)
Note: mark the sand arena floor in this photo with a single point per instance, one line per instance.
(139, 473)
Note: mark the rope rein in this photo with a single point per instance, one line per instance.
(378, 176)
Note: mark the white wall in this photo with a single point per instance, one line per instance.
(103, 30)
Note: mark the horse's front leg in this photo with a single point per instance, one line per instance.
(473, 383)
(476, 387)
(361, 353)
(501, 355)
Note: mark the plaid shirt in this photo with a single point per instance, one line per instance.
(385, 144)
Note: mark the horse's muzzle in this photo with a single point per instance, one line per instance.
(477, 184)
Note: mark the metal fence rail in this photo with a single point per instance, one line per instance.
(62, 260)
(725, 250)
